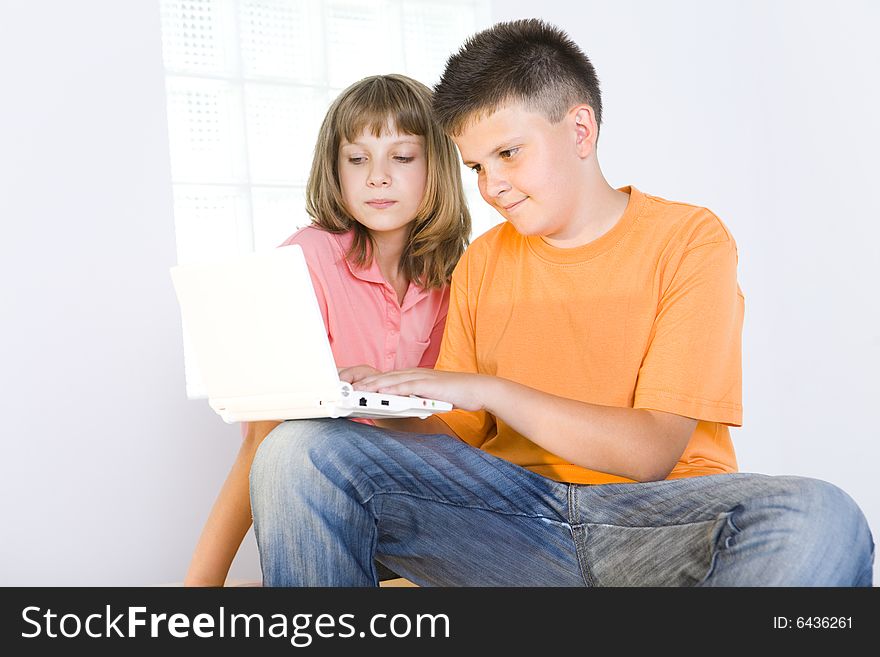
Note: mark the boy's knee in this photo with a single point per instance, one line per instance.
(827, 505)
(284, 453)
(830, 519)
(299, 452)
(841, 511)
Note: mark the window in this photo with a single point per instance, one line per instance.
(248, 83)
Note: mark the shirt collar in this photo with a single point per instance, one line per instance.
(370, 273)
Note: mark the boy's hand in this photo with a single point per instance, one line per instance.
(465, 391)
(355, 374)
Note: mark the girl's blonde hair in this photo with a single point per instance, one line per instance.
(442, 225)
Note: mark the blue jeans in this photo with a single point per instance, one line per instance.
(330, 496)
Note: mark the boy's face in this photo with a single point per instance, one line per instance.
(523, 163)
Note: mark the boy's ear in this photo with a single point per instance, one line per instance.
(585, 129)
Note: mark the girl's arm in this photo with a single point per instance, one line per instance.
(230, 516)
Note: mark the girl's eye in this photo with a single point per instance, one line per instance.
(356, 159)
(507, 154)
(404, 159)
(476, 168)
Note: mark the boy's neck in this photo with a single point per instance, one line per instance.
(599, 209)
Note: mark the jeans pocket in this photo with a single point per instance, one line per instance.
(673, 555)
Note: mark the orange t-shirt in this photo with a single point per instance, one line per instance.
(649, 315)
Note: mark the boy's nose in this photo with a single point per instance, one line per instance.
(495, 185)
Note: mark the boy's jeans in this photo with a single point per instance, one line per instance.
(330, 495)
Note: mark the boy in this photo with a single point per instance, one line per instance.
(592, 352)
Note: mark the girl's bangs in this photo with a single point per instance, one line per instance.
(378, 108)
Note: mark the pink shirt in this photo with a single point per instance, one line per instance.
(365, 323)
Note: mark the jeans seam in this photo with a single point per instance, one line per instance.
(714, 549)
(580, 547)
(462, 506)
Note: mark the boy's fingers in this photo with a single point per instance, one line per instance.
(390, 379)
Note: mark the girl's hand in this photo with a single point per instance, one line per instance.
(465, 391)
(356, 373)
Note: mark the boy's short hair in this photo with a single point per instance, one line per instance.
(442, 225)
(525, 61)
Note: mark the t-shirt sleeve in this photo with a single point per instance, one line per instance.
(458, 354)
(693, 365)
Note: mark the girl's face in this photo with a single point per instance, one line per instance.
(383, 178)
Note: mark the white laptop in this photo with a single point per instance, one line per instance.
(259, 341)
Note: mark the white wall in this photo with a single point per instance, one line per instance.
(765, 112)
(761, 111)
(107, 470)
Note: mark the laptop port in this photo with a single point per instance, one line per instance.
(363, 401)
(385, 402)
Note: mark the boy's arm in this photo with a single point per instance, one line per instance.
(230, 516)
(637, 444)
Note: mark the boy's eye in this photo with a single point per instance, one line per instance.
(508, 153)
(477, 168)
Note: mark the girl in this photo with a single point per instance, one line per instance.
(389, 223)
